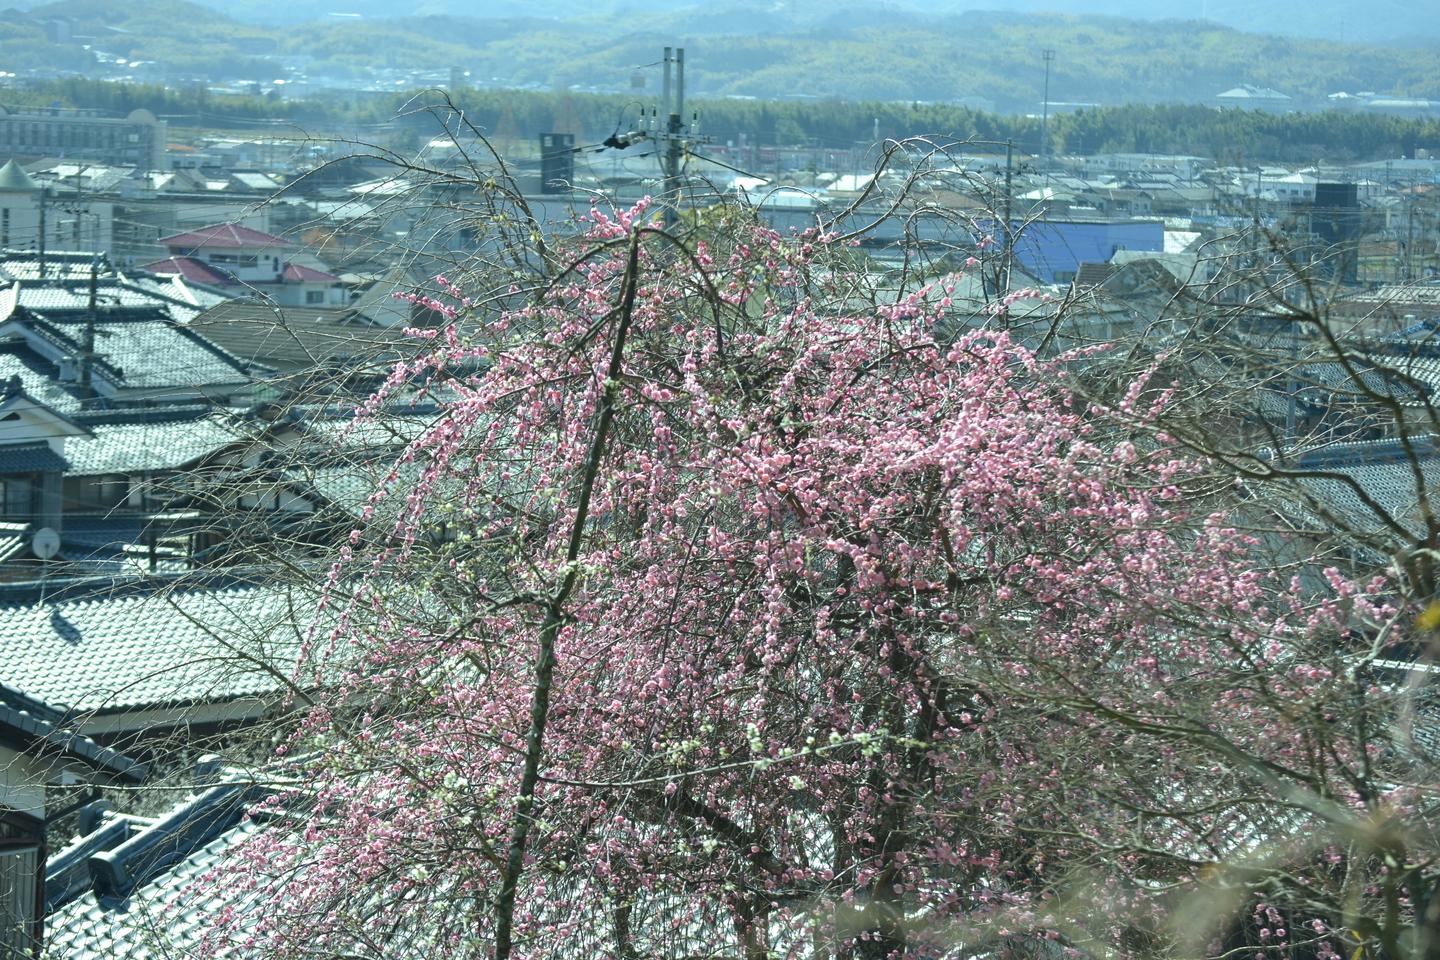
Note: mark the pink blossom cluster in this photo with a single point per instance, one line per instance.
(878, 645)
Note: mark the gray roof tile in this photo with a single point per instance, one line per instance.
(114, 654)
(36, 376)
(138, 447)
(30, 458)
(148, 352)
(36, 724)
(93, 926)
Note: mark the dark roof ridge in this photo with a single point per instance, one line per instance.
(47, 738)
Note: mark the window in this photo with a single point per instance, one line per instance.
(95, 494)
(5, 227)
(17, 496)
(314, 296)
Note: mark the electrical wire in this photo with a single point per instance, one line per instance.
(721, 163)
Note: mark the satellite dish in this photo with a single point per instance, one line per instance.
(45, 544)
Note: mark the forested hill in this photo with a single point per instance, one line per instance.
(875, 55)
(1376, 21)
(1227, 135)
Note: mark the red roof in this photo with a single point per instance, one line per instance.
(294, 272)
(224, 235)
(190, 269)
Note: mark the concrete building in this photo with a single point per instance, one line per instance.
(1290, 188)
(136, 141)
(19, 207)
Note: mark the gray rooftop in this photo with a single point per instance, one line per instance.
(92, 926)
(30, 458)
(115, 654)
(138, 447)
(148, 351)
(34, 726)
(15, 180)
(38, 383)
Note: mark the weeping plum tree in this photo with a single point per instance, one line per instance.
(723, 611)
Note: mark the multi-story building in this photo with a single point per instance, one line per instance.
(136, 141)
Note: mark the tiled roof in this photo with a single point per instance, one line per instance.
(75, 295)
(113, 654)
(30, 458)
(346, 486)
(140, 348)
(14, 539)
(254, 181)
(191, 269)
(34, 724)
(37, 376)
(224, 235)
(1379, 468)
(138, 447)
(296, 336)
(95, 925)
(297, 273)
(174, 287)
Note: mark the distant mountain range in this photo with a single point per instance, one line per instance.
(798, 49)
(1402, 22)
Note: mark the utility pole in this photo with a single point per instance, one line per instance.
(665, 87)
(1049, 56)
(674, 149)
(1410, 237)
(80, 205)
(40, 245)
(87, 344)
(669, 133)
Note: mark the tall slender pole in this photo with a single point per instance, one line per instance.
(665, 86)
(673, 145)
(679, 82)
(87, 345)
(40, 246)
(1049, 56)
(1410, 236)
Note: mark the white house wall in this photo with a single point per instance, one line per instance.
(22, 783)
